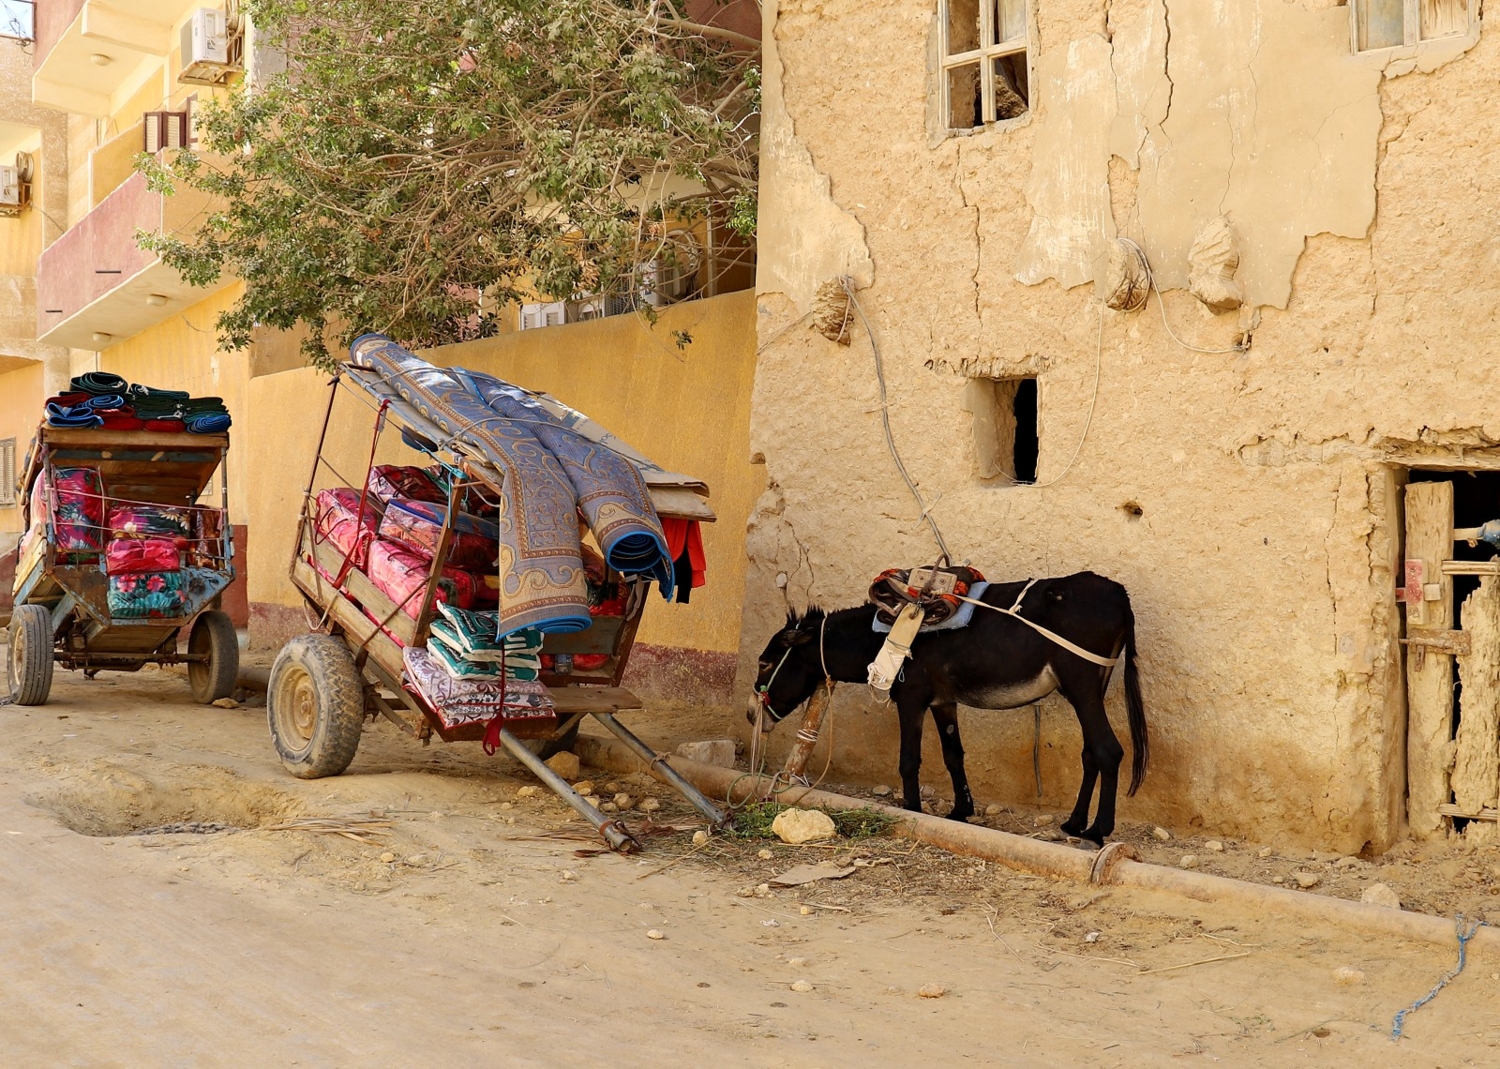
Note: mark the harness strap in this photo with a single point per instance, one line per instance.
(1105, 662)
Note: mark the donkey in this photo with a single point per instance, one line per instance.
(996, 662)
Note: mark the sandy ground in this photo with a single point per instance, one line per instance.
(485, 928)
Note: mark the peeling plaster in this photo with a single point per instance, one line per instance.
(815, 238)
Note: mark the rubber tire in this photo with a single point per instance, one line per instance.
(315, 706)
(30, 661)
(213, 634)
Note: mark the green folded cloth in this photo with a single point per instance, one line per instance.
(100, 382)
(152, 394)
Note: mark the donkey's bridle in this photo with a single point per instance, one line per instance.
(763, 695)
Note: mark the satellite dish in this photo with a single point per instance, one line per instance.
(25, 166)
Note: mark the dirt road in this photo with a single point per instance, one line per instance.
(483, 938)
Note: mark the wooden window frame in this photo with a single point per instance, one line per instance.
(985, 55)
(9, 497)
(1411, 25)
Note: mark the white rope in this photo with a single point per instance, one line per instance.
(1238, 347)
(1104, 662)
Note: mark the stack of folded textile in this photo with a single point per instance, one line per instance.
(101, 399)
(466, 701)
(78, 519)
(144, 561)
(464, 643)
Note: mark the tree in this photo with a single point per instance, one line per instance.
(421, 162)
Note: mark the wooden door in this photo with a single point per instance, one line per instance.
(1428, 595)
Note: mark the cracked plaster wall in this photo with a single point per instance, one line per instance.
(1262, 565)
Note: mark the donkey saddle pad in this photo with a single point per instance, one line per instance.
(936, 590)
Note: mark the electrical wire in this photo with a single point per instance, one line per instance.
(1238, 347)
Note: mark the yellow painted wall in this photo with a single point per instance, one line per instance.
(686, 409)
(21, 400)
(183, 353)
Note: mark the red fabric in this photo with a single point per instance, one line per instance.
(392, 480)
(67, 400)
(402, 574)
(686, 534)
(135, 556)
(406, 522)
(333, 512)
(79, 510)
(168, 426)
(119, 420)
(589, 662)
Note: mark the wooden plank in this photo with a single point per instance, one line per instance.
(1471, 567)
(348, 616)
(677, 503)
(365, 592)
(98, 438)
(1476, 760)
(570, 700)
(1429, 685)
(1451, 810)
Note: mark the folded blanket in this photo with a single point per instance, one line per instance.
(150, 521)
(418, 525)
(208, 423)
(389, 481)
(79, 510)
(132, 556)
(152, 595)
(100, 382)
(77, 416)
(464, 701)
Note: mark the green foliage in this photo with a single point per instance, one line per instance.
(753, 821)
(422, 162)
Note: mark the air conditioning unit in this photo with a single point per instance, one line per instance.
(212, 47)
(551, 314)
(15, 185)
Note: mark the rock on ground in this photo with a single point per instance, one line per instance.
(564, 764)
(802, 826)
(709, 752)
(1379, 894)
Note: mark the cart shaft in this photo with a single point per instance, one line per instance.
(613, 831)
(660, 768)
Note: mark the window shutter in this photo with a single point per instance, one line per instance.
(165, 129)
(8, 473)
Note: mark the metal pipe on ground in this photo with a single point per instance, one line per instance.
(1108, 867)
(253, 678)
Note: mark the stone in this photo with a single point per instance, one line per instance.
(762, 890)
(1379, 894)
(584, 787)
(932, 991)
(797, 826)
(699, 838)
(387, 857)
(649, 805)
(655, 933)
(993, 810)
(569, 877)
(417, 860)
(1307, 880)
(1162, 833)
(623, 800)
(1214, 846)
(1349, 863)
(1264, 851)
(764, 854)
(1189, 861)
(528, 792)
(506, 805)
(1348, 976)
(806, 911)
(1213, 259)
(1043, 820)
(882, 791)
(1278, 879)
(225, 703)
(611, 787)
(801, 986)
(1127, 280)
(564, 764)
(608, 807)
(929, 792)
(594, 800)
(709, 752)
(797, 963)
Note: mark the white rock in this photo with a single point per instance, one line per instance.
(584, 786)
(1043, 820)
(882, 791)
(709, 752)
(797, 963)
(1214, 845)
(699, 838)
(1306, 880)
(762, 890)
(417, 859)
(624, 801)
(564, 764)
(594, 800)
(387, 857)
(802, 826)
(1278, 879)
(801, 986)
(649, 805)
(528, 792)
(806, 911)
(1092, 937)
(1189, 861)
(506, 805)
(932, 990)
(928, 792)
(1348, 976)
(569, 877)
(1162, 833)
(225, 703)
(611, 787)
(608, 807)
(993, 810)
(1264, 851)
(1350, 862)
(1379, 894)
(656, 933)
(764, 854)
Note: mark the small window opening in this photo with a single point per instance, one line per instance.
(984, 76)
(1006, 443)
(1390, 23)
(7, 473)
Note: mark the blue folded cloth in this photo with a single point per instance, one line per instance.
(104, 400)
(211, 423)
(76, 416)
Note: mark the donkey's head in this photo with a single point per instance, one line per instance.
(790, 669)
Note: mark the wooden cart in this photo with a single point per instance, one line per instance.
(325, 684)
(61, 597)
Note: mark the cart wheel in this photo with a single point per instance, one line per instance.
(315, 703)
(565, 741)
(213, 634)
(30, 655)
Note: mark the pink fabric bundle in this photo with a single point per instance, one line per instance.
(79, 517)
(418, 526)
(402, 574)
(150, 521)
(137, 556)
(333, 512)
(389, 481)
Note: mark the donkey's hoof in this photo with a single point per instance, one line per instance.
(960, 814)
(1073, 828)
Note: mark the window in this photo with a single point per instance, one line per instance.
(7, 473)
(983, 64)
(1006, 443)
(18, 19)
(551, 314)
(1389, 23)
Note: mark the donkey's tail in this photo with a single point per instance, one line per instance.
(1140, 742)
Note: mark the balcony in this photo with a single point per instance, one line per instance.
(96, 287)
(91, 56)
